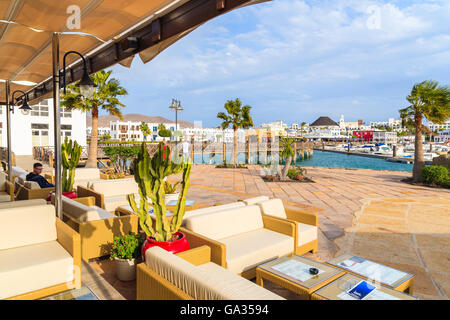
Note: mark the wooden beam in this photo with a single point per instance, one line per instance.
(185, 17)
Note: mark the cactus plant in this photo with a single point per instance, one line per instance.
(70, 156)
(149, 175)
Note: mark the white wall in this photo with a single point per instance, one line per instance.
(21, 131)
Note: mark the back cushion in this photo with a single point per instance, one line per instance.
(2, 181)
(226, 223)
(87, 173)
(190, 279)
(81, 212)
(17, 171)
(273, 207)
(32, 185)
(22, 226)
(117, 187)
(214, 209)
(22, 203)
(255, 200)
(22, 178)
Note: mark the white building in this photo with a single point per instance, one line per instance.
(101, 131)
(391, 123)
(438, 127)
(278, 126)
(385, 137)
(35, 128)
(444, 136)
(131, 130)
(213, 134)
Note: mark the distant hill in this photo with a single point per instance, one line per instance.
(103, 121)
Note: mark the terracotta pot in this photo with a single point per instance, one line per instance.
(174, 247)
(125, 269)
(299, 178)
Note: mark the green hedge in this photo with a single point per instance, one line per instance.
(435, 175)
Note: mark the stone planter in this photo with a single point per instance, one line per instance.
(126, 269)
(172, 196)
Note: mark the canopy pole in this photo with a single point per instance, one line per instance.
(8, 139)
(57, 125)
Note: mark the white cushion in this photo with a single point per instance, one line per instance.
(33, 267)
(250, 249)
(32, 185)
(116, 187)
(23, 203)
(17, 171)
(306, 233)
(255, 200)
(213, 209)
(21, 178)
(4, 196)
(23, 226)
(81, 212)
(227, 223)
(3, 179)
(202, 283)
(238, 288)
(273, 207)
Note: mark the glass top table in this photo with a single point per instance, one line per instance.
(293, 274)
(387, 276)
(84, 293)
(337, 290)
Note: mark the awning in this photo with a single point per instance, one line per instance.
(26, 28)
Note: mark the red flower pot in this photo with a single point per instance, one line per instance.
(176, 246)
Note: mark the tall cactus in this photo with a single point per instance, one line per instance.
(149, 175)
(70, 156)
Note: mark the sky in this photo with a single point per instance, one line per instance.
(295, 61)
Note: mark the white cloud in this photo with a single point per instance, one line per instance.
(278, 53)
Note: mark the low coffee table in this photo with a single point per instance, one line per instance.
(84, 293)
(293, 274)
(387, 276)
(337, 290)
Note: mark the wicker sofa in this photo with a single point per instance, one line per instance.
(5, 188)
(96, 226)
(242, 238)
(26, 190)
(306, 223)
(109, 194)
(191, 275)
(39, 254)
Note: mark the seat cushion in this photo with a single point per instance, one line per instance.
(248, 250)
(4, 196)
(226, 223)
(273, 207)
(32, 185)
(200, 283)
(238, 288)
(33, 267)
(116, 187)
(255, 200)
(23, 203)
(23, 226)
(3, 179)
(306, 233)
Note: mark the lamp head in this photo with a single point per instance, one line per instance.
(86, 85)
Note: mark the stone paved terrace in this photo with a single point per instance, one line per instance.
(366, 212)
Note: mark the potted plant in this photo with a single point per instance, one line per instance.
(70, 156)
(149, 175)
(126, 251)
(171, 191)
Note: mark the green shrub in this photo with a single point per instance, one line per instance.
(127, 246)
(434, 174)
(294, 172)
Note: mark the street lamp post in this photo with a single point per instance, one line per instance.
(176, 106)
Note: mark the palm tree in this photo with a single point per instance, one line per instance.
(287, 153)
(105, 97)
(302, 125)
(145, 130)
(427, 100)
(238, 117)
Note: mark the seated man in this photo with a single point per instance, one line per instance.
(36, 176)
